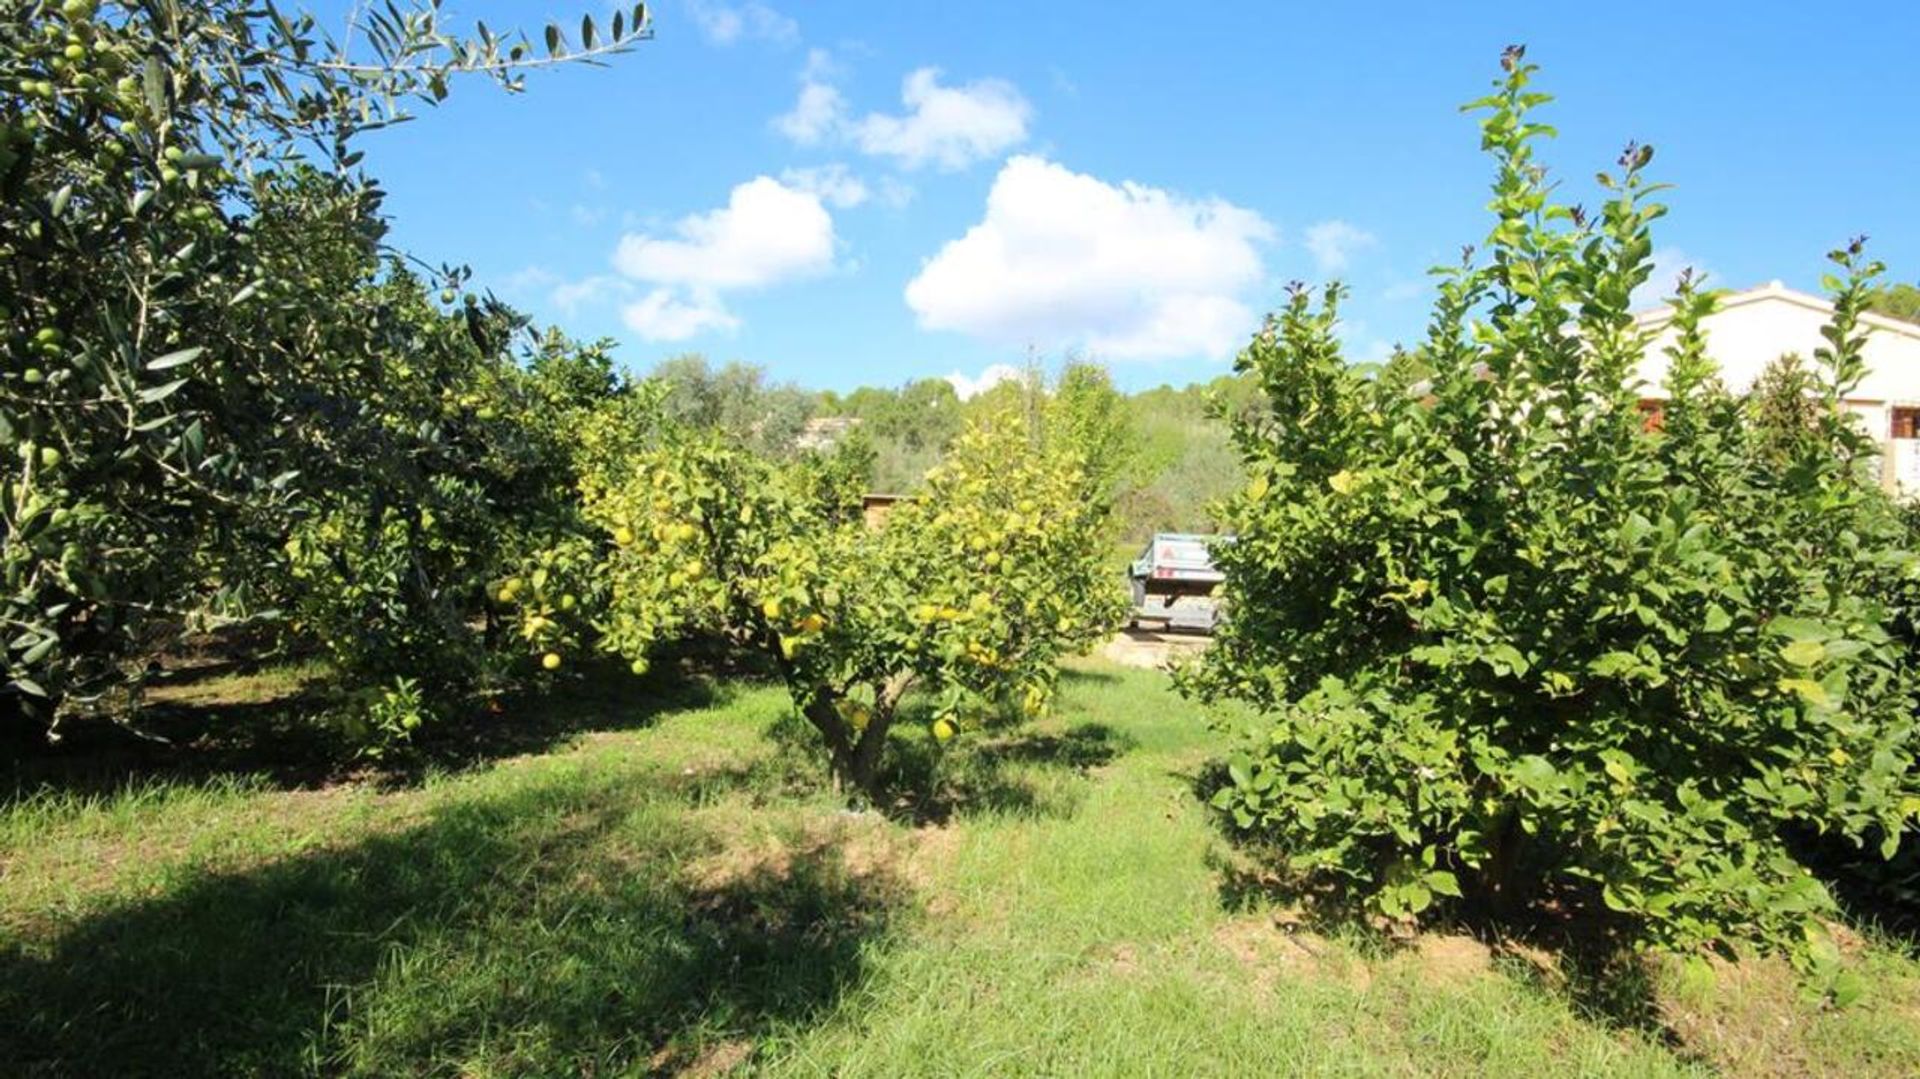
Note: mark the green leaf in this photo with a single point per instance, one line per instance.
(1807, 690)
(1847, 988)
(39, 651)
(1623, 899)
(1238, 770)
(161, 393)
(1804, 653)
(1506, 659)
(1443, 882)
(1799, 629)
(1609, 664)
(175, 359)
(1618, 770)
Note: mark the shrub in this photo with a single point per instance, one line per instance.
(1510, 637)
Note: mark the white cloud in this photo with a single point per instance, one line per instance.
(1334, 243)
(662, 316)
(950, 126)
(528, 279)
(819, 111)
(570, 296)
(1406, 289)
(895, 192)
(1066, 260)
(724, 24)
(767, 232)
(1361, 344)
(835, 184)
(947, 126)
(968, 386)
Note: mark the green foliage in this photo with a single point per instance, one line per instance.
(1182, 461)
(1784, 409)
(1511, 640)
(1895, 301)
(220, 395)
(737, 399)
(909, 427)
(972, 592)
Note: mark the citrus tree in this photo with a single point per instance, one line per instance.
(1510, 639)
(205, 352)
(971, 593)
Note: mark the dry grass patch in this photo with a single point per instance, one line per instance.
(1272, 949)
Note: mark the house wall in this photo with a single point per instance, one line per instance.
(1753, 329)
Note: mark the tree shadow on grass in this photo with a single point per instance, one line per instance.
(1087, 676)
(1566, 942)
(554, 930)
(1030, 773)
(279, 736)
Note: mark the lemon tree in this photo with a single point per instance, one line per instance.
(1509, 641)
(971, 593)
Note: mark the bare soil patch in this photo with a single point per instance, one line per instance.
(1152, 649)
(1272, 949)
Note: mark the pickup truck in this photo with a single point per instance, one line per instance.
(1174, 581)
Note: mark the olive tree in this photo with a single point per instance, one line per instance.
(199, 321)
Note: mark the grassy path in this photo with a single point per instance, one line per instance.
(677, 895)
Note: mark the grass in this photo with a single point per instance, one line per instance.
(665, 885)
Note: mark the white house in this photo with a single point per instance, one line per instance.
(1751, 329)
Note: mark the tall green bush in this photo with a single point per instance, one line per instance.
(1511, 639)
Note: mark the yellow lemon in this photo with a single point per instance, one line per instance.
(551, 661)
(942, 729)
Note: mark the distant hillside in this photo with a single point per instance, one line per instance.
(1176, 459)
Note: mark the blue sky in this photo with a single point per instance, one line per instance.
(853, 194)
